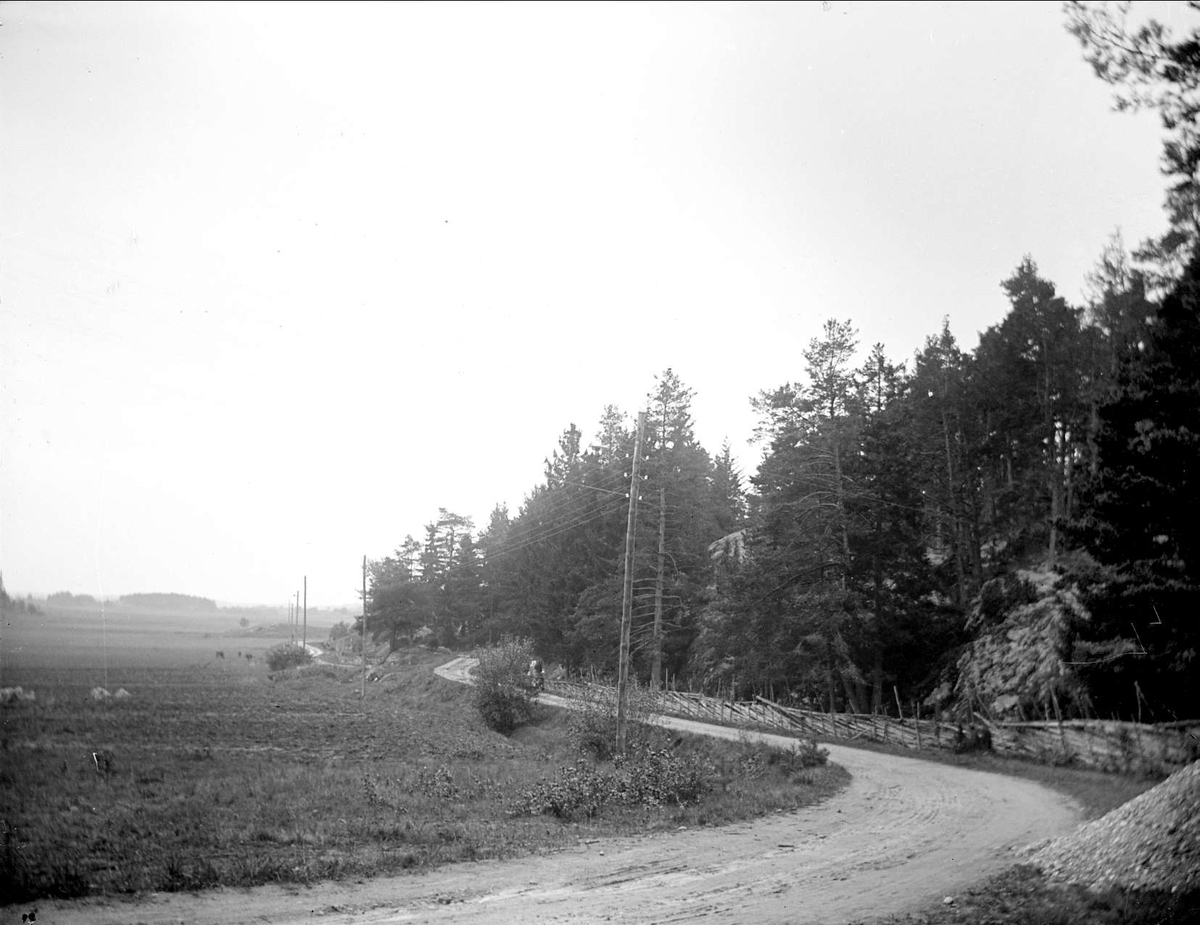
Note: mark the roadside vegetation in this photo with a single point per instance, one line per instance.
(287, 655)
(1023, 896)
(211, 774)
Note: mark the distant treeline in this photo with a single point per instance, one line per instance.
(67, 599)
(170, 601)
(9, 604)
(260, 612)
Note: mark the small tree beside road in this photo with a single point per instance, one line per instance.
(502, 694)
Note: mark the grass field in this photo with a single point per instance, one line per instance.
(214, 772)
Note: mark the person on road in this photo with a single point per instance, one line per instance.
(537, 680)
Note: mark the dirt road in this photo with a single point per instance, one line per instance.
(904, 833)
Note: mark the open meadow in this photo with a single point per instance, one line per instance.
(214, 771)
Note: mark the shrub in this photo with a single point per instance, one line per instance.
(579, 790)
(657, 777)
(648, 777)
(501, 693)
(973, 739)
(804, 754)
(287, 655)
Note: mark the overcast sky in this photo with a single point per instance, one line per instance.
(277, 282)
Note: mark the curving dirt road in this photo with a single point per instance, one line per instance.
(905, 832)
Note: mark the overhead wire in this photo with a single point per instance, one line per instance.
(570, 519)
(564, 526)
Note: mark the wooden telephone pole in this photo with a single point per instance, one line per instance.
(627, 595)
(304, 636)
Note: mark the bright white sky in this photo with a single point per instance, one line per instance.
(280, 281)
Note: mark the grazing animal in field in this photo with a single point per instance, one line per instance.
(249, 657)
(220, 654)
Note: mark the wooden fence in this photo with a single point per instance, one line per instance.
(1105, 745)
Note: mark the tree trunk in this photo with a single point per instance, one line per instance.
(877, 667)
(848, 687)
(1052, 550)
(956, 533)
(877, 671)
(841, 506)
(656, 658)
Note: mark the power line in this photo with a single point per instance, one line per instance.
(559, 529)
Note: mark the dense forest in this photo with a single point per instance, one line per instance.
(898, 506)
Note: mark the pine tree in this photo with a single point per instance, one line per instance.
(1139, 517)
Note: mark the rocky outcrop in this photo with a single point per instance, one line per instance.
(1018, 667)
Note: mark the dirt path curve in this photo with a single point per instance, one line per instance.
(904, 833)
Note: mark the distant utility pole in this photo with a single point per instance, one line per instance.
(296, 619)
(627, 595)
(304, 637)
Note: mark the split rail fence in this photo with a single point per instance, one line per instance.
(1102, 744)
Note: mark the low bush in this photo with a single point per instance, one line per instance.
(287, 655)
(501, 693)
(578, 791)
(592, 726)
(973, 739)
(658, 777)
(804, 754)
(650, 778)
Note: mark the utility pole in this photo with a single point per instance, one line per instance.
(304, 637)
(627, 595)
(296, 619)
(363, 694)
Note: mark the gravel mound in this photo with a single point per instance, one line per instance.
(1150, 843)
